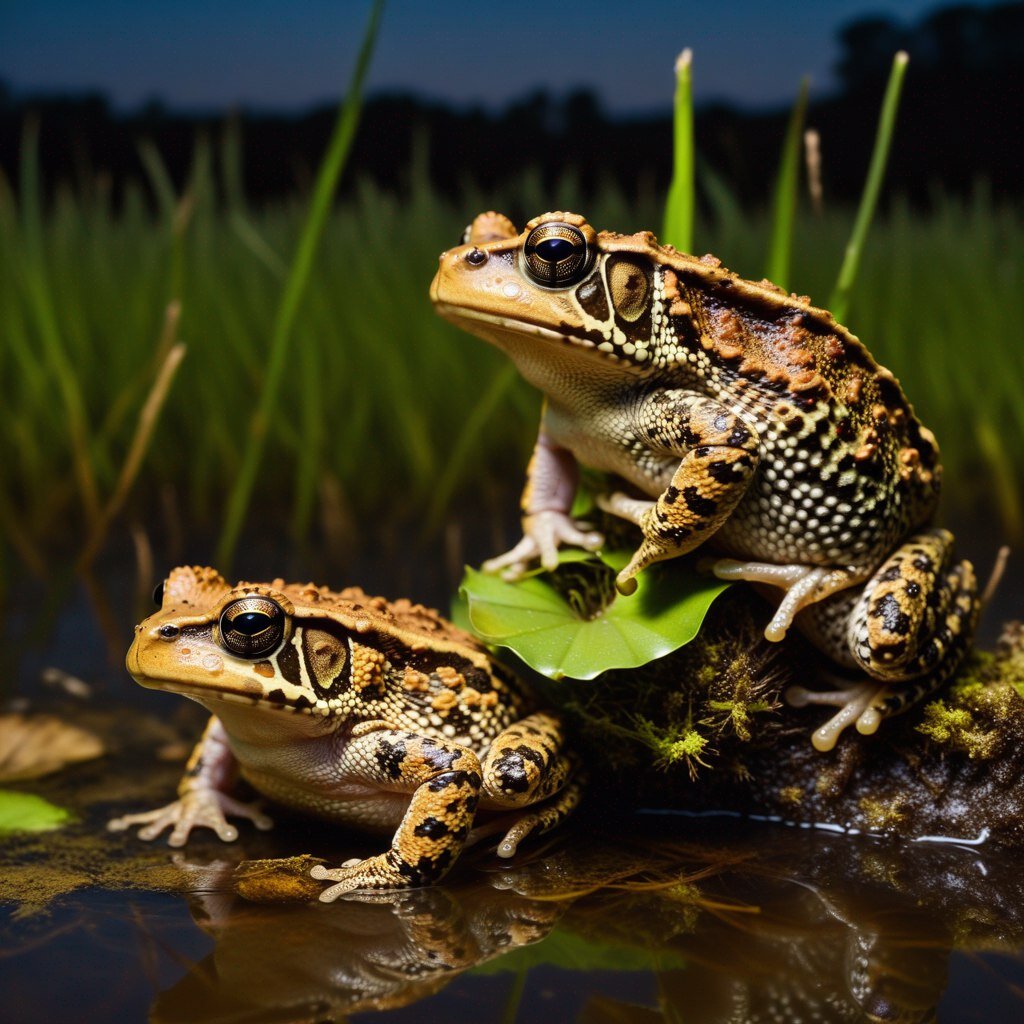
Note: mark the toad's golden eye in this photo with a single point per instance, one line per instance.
(556, 254)
(252, 627)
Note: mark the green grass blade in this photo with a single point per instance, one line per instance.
(298, 276)
(678, 225)
(469, 437)
(780, 248)
(44, 308)
(840, 300)
(159, 178)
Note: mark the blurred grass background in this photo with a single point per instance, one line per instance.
(377, 391)
(383, 415)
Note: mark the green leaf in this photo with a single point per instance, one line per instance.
(26, 812)
(540, 622)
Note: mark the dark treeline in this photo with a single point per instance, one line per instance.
(960, 122)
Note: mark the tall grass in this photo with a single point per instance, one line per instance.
(291, 296)
(383, 410)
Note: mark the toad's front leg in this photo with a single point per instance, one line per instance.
(719, 454)
(444, 779)
(203, 796)
(551, 480)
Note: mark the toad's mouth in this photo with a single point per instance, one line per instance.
(277, 695)
(500, 330)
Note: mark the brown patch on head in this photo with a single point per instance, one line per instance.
(444, 701)
(629, 282)
(264, 668)
(451, 677)
(677, 305)
(489, 227)
(197, 587)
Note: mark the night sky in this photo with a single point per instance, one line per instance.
(210, 54)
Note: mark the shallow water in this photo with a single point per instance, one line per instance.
(620, 918)
(692, 923)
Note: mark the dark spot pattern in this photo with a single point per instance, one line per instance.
(431, 828)
(288, 664)
(894, 619)
(390, 757)
(591, 297)
(511, 771)
(698, 504)
(439, 757)
(425, 871)
(723, 472)
(455, 778)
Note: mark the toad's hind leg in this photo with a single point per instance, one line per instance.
(908, 629)
(917, 612)
(527, 766)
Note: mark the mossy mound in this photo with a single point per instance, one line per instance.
(707, 728)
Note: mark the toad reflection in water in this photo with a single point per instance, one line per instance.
(731, 934)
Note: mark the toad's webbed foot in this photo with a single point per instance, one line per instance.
(198, 808)
(543, 534)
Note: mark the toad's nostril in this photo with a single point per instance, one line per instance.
(168, 632)
(476, 257)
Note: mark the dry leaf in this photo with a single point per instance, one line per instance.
(35, 745)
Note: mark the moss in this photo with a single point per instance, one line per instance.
(882, 815)
(956, 728)
(681, 713)
(982, 712)
(707, 728)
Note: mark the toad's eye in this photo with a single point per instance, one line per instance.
(252, 627)
(158, 593)
(557, 255)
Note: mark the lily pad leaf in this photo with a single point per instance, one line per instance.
(26, 812)
(570, 622)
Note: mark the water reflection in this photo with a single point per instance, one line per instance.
(769, 927)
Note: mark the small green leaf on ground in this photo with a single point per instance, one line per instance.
(26, 812)
(571, 622)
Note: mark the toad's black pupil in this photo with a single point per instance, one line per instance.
(250, 623)
(553, 250)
